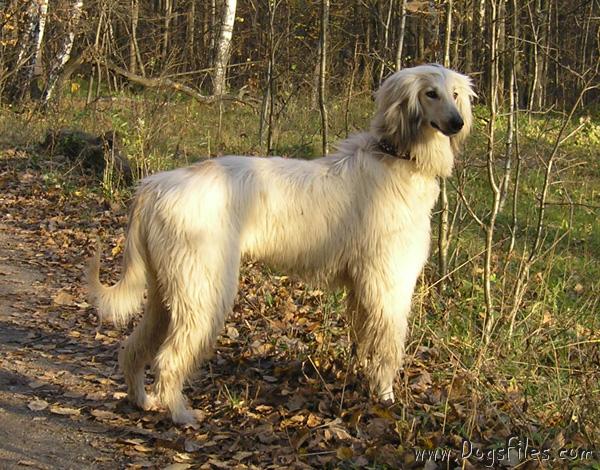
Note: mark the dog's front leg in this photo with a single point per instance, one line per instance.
(379, 323)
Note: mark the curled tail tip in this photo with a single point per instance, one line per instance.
(92, 280)
(117, 303)
(92, 272)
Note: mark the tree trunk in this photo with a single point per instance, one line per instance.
(490, 315)
(468, 36)
(323, 72)
(443, 221)
(167, 28)
(191, 36)
(503, 53)
(134, 50)
(386, 35)
(267, 109)
(448, 33)
(420, 39)
(401, 34)
(512, 109)
(212, 32)
(224, 47)
(535, 95)
(64, 51)
(29, 57)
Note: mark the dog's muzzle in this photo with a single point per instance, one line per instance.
(453, 126)
(456, 124)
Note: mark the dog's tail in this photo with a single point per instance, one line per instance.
(119, 302)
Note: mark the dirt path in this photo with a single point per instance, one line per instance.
(62, 402)
(50, 437)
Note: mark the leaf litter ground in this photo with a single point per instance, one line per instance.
(281, 390)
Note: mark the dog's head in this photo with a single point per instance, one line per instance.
(415, 103)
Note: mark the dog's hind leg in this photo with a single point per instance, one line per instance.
(141, 347)
(200, 295)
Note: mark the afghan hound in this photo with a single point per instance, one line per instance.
(359, 218)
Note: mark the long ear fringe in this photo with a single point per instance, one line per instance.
(465, 93)
(398, 114)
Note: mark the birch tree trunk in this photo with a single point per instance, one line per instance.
(213, 31)
(64, 51)
(323, 71)
(224, 47)
(448, 33)
(29, 56)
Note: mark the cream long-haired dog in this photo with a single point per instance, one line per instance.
(360, 218)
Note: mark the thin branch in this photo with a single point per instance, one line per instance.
(168, 83)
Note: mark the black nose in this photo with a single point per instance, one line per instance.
(456, 124)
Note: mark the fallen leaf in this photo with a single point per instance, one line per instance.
(241, 455)
(232, 333)
(103, 414)
(313, 420)
(64, 410)
(142, 448)
(35, 384)
(300, 438)
(37, 405)
(95, 396)
(191, 445)
(177, 466)
(219, 464)
(28, 463)
(63, 298)
(344, 453)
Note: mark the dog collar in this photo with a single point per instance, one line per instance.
(387, 147)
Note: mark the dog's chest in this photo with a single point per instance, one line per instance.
(403, 203)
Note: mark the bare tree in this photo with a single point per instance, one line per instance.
(490, 316)
(135, 57)
(191, 34)
(443, 234)
(401, 34)
(30, 51)
(267, 109)
(385, 41)
(512, 106)
(64, 51)
(224, 47)
(168, 7)
(323, 72)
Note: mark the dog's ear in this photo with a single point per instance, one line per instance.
(398, 115)
(464, 89)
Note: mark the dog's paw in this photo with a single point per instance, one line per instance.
(188, 417)
(149, 402)
(387, 397)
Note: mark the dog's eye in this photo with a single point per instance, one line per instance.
(432, 94)
(455, 95)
